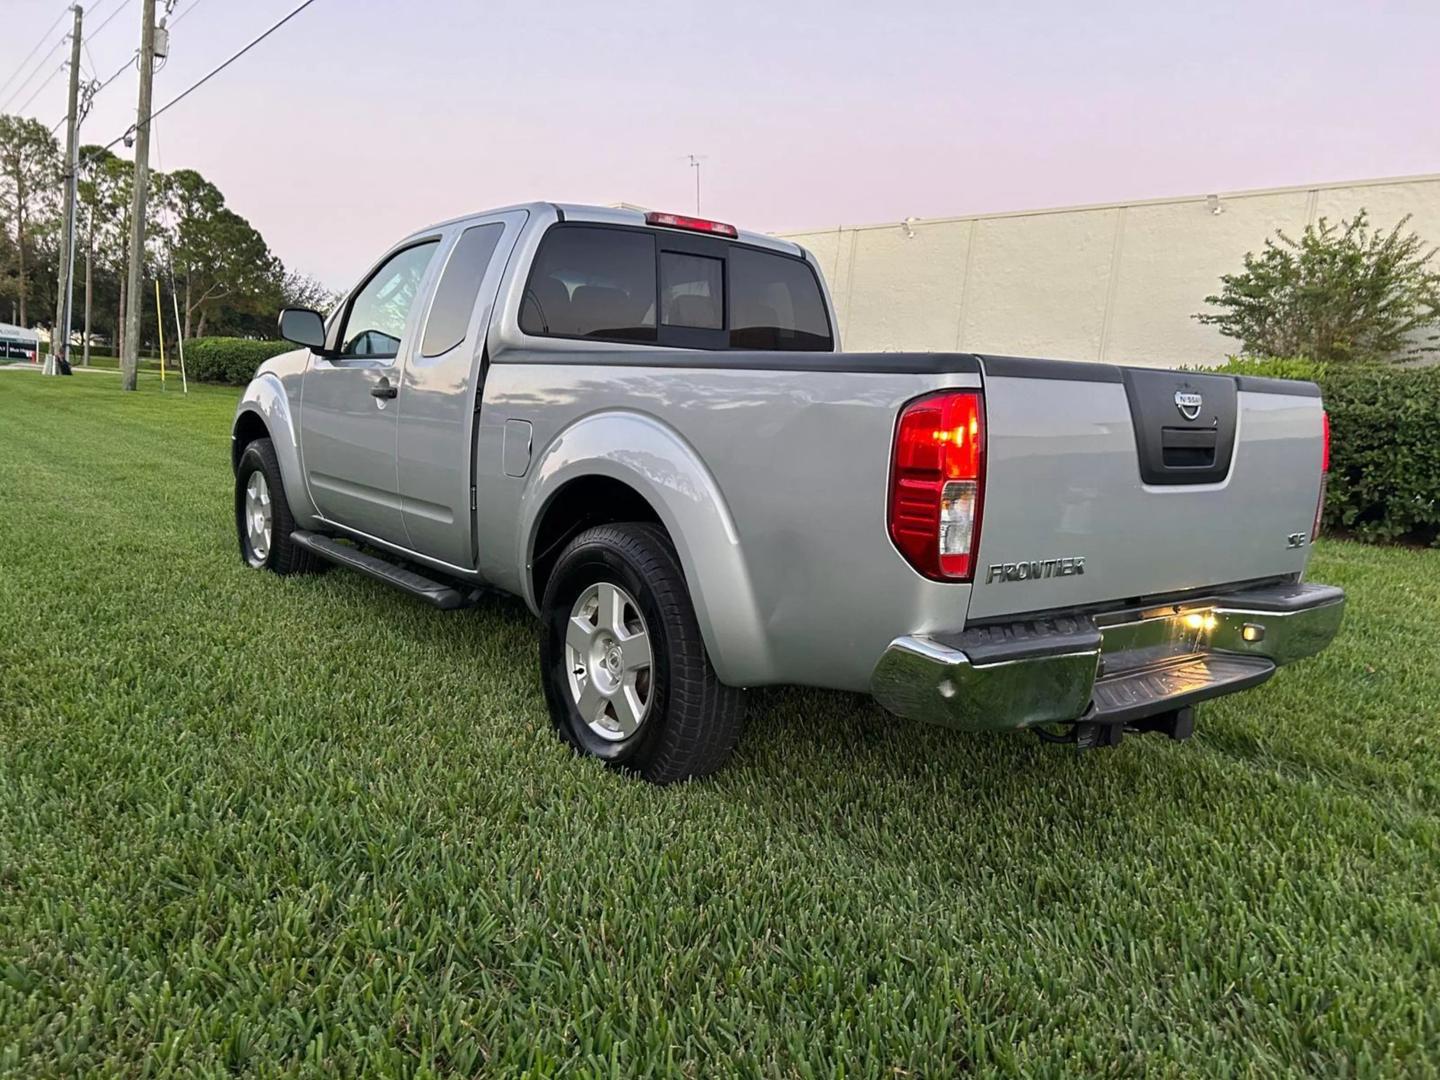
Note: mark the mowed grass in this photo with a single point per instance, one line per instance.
(309, 826)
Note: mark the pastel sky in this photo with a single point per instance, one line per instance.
(362, 120)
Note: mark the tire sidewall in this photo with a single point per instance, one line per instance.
(251, 462)
(593, 562)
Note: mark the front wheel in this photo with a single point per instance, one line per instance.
(263, 521)
(627, 678)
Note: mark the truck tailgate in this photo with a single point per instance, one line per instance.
(1107, 484)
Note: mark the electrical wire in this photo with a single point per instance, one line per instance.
(31, 54)
(85, 42)
(40, 88)
(108, 19)
(130, 61)
(213, 72)
(119, 71)
(21, 88)
(186, 11)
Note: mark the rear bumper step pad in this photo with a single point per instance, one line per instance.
(1136, 695)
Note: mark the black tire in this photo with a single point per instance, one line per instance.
(284, 555)
(693, 720)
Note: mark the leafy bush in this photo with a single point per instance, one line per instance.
(1272, 367)
(1339, 293)
(1384, 445)
(229, 360)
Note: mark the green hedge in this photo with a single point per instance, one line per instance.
(229, 360)
(1384, 445)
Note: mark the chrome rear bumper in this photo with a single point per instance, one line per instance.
(1110, 668)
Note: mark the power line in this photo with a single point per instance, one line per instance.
(100, 86)
(39, 68)
(129, 62)
(31, 54)
(118, 72)
(213, 72)
(38, 89)
(108, 19)
(188, 8)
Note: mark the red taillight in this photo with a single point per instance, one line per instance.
(1324, 476)
(937, 483)
(694, 224)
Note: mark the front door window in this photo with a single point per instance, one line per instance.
(378, 313)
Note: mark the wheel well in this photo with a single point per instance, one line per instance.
(579, 505)
(248, 428)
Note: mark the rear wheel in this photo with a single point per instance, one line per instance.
(627, 678)
(263, 522)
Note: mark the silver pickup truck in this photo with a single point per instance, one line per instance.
(642, 424)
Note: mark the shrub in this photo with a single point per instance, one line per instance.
(1384, 445)
(1340, 293)
(1272, 367)
(229, 360)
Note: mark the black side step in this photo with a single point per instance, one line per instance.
(432, 592)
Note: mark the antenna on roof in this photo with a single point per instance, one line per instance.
(695, 164)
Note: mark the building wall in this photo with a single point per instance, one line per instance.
(1115, 283)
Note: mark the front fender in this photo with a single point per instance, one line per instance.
(657, 462)
(266, 399)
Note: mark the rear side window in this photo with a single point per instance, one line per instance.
(775, 303)
(592, 283)
(459, 286)
(623, 284)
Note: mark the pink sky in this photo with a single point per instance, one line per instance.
(361, 120)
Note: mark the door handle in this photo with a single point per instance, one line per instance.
(383, 389)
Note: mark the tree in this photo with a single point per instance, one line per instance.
(227, 279)
(103, 190)
(1339, 293)
(302, 290)
(29, 189)
(215, 253)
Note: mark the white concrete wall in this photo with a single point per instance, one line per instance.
(1115, 283)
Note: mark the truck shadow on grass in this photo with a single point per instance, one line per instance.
(788, 728)
(830, 777)
(810, 758)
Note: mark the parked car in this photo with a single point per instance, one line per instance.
(642, 424)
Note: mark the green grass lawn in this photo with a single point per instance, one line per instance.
(309, 825)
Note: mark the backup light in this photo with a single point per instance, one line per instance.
(937, 483)
(693, 224)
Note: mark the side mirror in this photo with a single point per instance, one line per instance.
(303, 327)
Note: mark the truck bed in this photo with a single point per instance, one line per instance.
(796, 452)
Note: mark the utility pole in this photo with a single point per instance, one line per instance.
(130, 357)
(58, 362)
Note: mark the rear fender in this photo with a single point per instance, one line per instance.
(652, 458)
(266, 399)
